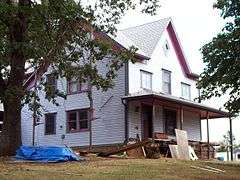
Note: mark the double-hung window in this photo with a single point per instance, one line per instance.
(74, 86)
(166, 81)
(77, 120)
(52, 82)
(186, 91)
(146, 80)
(50, 123)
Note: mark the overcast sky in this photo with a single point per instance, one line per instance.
(196, 23)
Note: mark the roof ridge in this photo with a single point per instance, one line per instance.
(169, 18)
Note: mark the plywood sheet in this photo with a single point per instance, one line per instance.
(182, 142)
(174, 151)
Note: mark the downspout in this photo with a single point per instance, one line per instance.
(126, 102)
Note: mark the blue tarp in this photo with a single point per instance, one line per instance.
(46, 154)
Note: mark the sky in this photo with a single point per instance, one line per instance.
(196, 23)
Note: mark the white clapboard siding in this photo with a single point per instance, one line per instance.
(108, 128)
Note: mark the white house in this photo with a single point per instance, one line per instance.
(156, 94)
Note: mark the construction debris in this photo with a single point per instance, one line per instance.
(209, 168)
(192, 154)
(174, 151)
(126, 148)
(182, 142)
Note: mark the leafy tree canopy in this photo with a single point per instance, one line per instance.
(61, 33)
(70, 36)
(222, 58)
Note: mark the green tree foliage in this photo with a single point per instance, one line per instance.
(226, 142)
(70, 37)
(222, 58)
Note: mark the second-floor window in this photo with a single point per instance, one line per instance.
(52, 81)
(77, 120)
(50, 123)
(166, 81)
(186, 91)
(74, 86)
(146, 80)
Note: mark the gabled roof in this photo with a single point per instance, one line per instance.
(146, 37)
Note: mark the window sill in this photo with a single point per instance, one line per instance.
(49, 134)
(78, 92)
(78, 131)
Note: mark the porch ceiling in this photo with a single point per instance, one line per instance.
(176, 102)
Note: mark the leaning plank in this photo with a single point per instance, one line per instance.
(182, 142)
(192, 154)
(125, 148)
(174, 151)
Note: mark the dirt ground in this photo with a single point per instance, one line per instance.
(115, 168)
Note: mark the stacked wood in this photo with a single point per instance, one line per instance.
(125, 148)
(201, 150)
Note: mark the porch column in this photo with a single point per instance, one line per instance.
(153, 118)
(208, 135)
(231, 138)
(181, 117)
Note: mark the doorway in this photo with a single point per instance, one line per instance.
(170, 117)
(147, 122)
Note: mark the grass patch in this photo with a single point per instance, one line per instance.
(107, 168)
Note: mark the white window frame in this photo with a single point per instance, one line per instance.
(146, 73)
(184, 85)
(164, 71)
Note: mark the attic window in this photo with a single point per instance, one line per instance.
(166, 48)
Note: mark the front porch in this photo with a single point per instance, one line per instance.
(156, 116)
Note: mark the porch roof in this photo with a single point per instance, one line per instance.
(169, 100)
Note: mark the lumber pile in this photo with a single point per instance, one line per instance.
(125, 148)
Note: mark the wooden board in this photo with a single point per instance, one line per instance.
(192, 154)
(182, 142)
(125, 148)
(174, 151)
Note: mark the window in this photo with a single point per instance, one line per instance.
(186, 91)
(52, 81)
(74, 86)
(166, 87)
(238, 156)
(77, 120)
(50, 123)
(166, 48)
(146, 80)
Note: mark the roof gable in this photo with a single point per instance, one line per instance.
(146, 36)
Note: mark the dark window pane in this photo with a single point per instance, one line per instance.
(83, 124)
(73, 116)
(72, 121)
(50, 123)
(51, 81)
(72, 126)
(83, 114)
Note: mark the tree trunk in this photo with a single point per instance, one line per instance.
(11, 134)
(90, 97)
(10, 138)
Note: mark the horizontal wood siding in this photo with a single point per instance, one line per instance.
(191, 122)
(108, 128)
